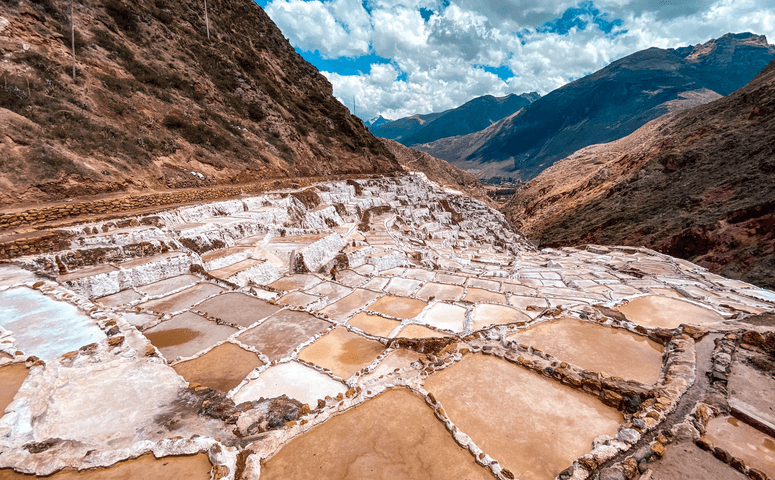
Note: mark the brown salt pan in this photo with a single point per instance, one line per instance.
(475, 295)
(667, 312)
(391, 437)
(279, 335)
(535, 427)
(374, 324)
(341, 310)
(173, 468)
(186, 334)
(237, 308)
(222, 368)
(597, 348)
(11, 378)
(450, 293)
(398, 307)
(182, 300)
(743, 441)
(342, 352)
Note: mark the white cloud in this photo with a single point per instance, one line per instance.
(436, 64)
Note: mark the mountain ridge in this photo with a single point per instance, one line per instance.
(608, 104)
(472, 116)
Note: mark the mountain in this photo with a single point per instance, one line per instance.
(376, 122)
(607, 105)
(696, 184)
(470, 117)
(157, 104)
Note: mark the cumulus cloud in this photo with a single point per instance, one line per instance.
(426, 56)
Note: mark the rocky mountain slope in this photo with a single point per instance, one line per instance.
(157, 104)
(438, 170)
(608, 105)
(697, 184)
(470, 117)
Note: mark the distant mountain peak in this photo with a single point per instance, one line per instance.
(376, 122)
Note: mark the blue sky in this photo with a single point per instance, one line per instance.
(401, 57)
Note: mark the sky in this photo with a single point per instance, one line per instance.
(401, 57)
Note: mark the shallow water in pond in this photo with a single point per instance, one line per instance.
(743, 441)
(398, 307)
(342, 352)
(394, 436)
(11, 378)
(597, 348)
(45, 327)
(535, 427)
(667, 312)
(186, 334)
(222, 368)
(192, 467)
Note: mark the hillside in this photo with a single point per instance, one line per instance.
(472, 116)
(438, 171)
(158, 105)
(608, 105)
(695, 184)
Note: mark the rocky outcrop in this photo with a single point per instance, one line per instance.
(157, 103)
(695, 184)
(607, 105)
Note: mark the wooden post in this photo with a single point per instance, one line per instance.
(72, 35)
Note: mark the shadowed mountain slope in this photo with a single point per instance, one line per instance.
(696, 184)
(475, 115)
(607, 105)
(157, 104)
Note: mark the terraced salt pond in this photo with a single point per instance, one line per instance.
(11, 378)
(186, 334)
(193, 467)
(297, 381)
(744, 442)
(391, 437)
(222, 368)
(542, 428)
(416, 296)
(667, 312)
(597, 348)
(44, 327)
(279, 335)
(398, 307)
(342, 352)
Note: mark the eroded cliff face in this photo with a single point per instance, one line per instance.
(157, 104)
(695, 184)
